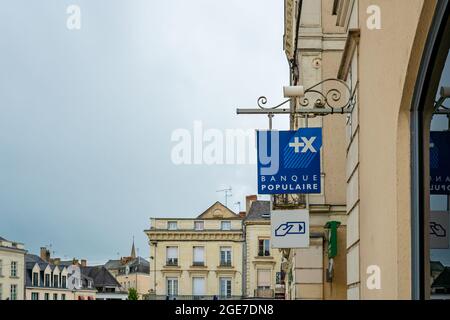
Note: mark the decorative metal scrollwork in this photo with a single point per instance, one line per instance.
(262, 101)
(338, 99)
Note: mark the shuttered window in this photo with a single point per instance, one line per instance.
(172, 256)
(198, 286)
(264, 277)
(199, 255)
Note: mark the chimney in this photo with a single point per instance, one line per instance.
(57, 261)
(75, 261)
(45, 254)
(242, 214)
(83, 262)
(248, 202)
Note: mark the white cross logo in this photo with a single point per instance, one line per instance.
(306, 145)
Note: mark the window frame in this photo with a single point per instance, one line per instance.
(13, 293)
(263, 248)
(171, 287)
(172, 223)
(224, 262)
(198, 263)
(172, 261)
(13, 270)
(228, 288)
(223, 222)
(202, 223)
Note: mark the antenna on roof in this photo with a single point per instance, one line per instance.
(227, 193)
(239, 204)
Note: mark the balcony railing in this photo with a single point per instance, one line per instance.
(264, 293)
(225, 263)
(198, 263)
(172, 262)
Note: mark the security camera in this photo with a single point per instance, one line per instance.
(445, 92)
(293, 91)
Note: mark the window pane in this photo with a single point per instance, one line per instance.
(267, 247)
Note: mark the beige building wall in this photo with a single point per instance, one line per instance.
(12, 253)
(185, 237)
(138, 281)
(61, 294)
(379, 61)
(255, 231)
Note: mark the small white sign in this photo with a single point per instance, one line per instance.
(290, 228)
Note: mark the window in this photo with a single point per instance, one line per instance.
(34, 296)
(172, 256)
(13, 269)
(63, 296)
(225, 256)
(47, 296)
(172, 225)
(35, 279)
(55, 296)
(13, 292)
(198, 286)
(47, 280)
(264, 276)
(172, 286)
(199, 225)
(55, 281)
(225, 287)
(264, 247)
(199, 256)
(225, 225)
(63, 282)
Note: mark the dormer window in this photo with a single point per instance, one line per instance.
(35, 279)
(63, 282)
(55, 281)
(47, 280)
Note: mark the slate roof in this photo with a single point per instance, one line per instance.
(30, 261)
(259, 210)
(443, 280)
(138, 264)
(113, 264)
(100, 276)
(3, 239)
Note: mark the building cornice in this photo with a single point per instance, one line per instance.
(349, 50)
(156, 235)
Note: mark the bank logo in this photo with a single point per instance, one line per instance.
(300, 151)
(289, 161)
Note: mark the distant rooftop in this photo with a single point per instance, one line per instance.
(259, 210)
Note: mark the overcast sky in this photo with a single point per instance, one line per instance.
(86, 115)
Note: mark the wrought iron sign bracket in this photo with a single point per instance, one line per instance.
(338, 100)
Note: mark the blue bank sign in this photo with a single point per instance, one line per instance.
(440, 162)
(289, 161)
